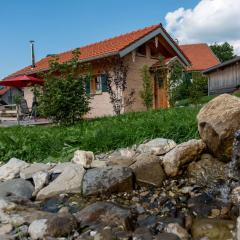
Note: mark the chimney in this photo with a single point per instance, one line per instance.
(32, 52)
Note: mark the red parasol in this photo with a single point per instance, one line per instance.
(21, 81)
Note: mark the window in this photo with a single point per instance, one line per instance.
(96, 85)
(141, 51)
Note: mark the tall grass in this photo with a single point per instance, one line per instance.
(42, 143)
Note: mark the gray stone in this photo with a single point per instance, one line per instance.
(218, 120)
(148, 170)
(98, 164)
(40, 179)
(176, 229)
(59, 168)
(69, 181)
(12, 169)
(167, 236)
(107, 180)
(105, 214)
(158, 146)
(28, 172)
(38, 229)
(16, 187)
(83, 158)
(182, 154)
(207, 171)
(5, 228)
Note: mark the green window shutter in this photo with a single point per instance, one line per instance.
(88, 87)
(104, 83)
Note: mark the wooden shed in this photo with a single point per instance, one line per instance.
(224, 78)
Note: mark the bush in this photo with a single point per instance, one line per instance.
(64, 99)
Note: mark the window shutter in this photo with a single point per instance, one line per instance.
(88, 87)
(104, 82)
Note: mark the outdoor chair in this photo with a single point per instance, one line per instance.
(24, 112)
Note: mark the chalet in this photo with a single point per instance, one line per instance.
(224, 77)
(136, 49)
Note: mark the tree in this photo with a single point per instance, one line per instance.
(147, 92)
(117, 84)
(224, 51)
(64, 99)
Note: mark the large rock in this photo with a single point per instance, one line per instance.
(107, 180)
(28, 172)
(40, 180)
(148, 170)
(69, 181)
(59, 168)
(55, 226)
(182, 154)
(122, 157)
(158, 146)
(212, 229)
(102, 214)
(83, 158)
(217, 122)
(16, 187)
(12, 169)
(207, 171)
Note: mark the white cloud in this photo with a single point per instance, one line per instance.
(210, 21)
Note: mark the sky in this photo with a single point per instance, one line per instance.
(61, 25)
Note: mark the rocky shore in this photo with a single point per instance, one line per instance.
(156, 190)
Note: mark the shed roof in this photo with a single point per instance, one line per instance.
(222, 65)
(200, 55)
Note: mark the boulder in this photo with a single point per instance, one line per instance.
(158, 146)
(98, 164)
(212, 229)
(40, 180)
(16, 187)
(83, 158)
(5, 229)
(59, 168)
(69, 181)
(218, 120)
(28, 172)
(148, 170)
(207, 171)
(181, 155)
(102, 214)
(122, 157)
(175, 228)
(61, 225)
(107, 180)
(12, 169)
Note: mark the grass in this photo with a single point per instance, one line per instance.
(57, 143)
(202, 100)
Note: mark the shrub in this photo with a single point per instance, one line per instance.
(64, 99)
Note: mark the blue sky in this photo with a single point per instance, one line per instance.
(60, 25)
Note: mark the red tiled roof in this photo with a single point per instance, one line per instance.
(200, 55)
(99, 49)
(3, 90)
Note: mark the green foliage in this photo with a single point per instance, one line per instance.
(57, 143)
(198, 87)
(183, 85)
(177, 87)
(64, 99)
(147, 92)
(224, 51)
